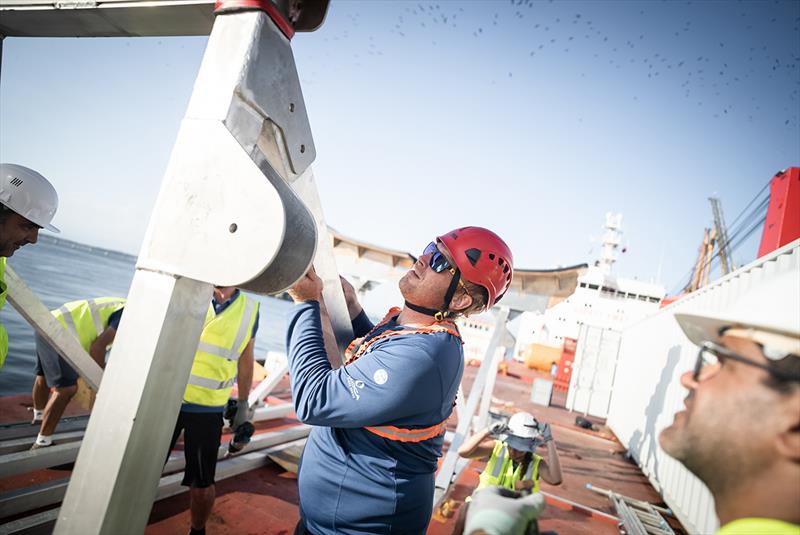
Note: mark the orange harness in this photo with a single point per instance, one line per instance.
(360, 346)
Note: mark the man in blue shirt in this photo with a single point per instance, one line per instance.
(369, 463)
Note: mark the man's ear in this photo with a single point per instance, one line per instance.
(787, 443)
(461, 301)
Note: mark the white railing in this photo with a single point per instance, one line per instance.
(647, 393)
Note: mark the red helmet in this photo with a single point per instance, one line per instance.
(482, 258)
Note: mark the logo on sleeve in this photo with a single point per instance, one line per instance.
(380, 376)
(354, 387)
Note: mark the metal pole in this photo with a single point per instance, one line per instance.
(33, 310)
(325, 266)
(577, 362)
(224, 216)
(614, 373)
(448, 466)
(594, 372)
(117, 470)
(488, 388)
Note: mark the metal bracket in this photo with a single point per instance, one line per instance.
(488, 367)
(33, 310)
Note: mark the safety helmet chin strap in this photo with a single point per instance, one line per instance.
(439, 315)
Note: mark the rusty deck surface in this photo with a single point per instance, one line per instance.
(265, 500)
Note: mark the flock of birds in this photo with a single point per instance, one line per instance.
(698, 48)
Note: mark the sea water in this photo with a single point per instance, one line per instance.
(59, 271)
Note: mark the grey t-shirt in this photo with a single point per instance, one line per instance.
(500, 511)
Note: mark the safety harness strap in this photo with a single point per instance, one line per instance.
(360, 346)
(408, 435)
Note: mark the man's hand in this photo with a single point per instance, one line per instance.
(351, 298)
(547, 434)
(497, 429)
(243, 414)
(525, 484)
(308, 288)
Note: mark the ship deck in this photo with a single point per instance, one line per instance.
(265, 499)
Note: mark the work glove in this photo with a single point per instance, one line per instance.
(497, 429)
(547, 435)
(243, 414)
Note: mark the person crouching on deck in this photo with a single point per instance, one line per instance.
(512, 464)
(370, 460)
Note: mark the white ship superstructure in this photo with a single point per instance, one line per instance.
(601, 300)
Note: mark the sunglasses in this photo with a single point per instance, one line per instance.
(711, 356)
(438, 261)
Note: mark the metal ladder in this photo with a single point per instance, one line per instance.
(636, 517)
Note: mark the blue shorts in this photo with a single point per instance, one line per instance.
(57, 373)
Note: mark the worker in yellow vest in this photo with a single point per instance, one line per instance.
(28, 203)
(512, 459)
(225, 353)
(94, 323)
(740, 430)
(514, 465)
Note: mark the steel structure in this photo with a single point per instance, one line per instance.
(653, 355)
(722, 236)
(239, 184)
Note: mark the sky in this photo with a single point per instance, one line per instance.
(533, 119)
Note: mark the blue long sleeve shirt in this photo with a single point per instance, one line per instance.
(351, 480)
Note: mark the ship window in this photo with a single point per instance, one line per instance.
(593, 286)
(642, 298)
(654, 299)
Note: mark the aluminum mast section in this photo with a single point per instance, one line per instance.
(227, 215)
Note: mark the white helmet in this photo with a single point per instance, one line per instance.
(523, 425)
(522, 432)
(768, 314)
(29, 194)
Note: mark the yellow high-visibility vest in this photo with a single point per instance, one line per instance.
(500, 471)
(3, 292)
(222, 342)
(762, 526)
(86, 319)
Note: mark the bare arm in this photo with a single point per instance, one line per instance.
(98, 348)
(550, 469)
(245, 371)
(477, 446)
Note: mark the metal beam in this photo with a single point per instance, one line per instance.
(28, 460)
(220, 192)
(25, 429)
(32, 497)
(482, 418)
(33, 310)
(46, 494)
(22, 444)
(137, 407)
(449, 465)
(277, 366)
(325, 266)
(105, 18)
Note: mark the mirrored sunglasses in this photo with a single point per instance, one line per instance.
(438, 261)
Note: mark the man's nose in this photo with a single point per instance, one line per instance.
(33, 236)
(687, 380)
